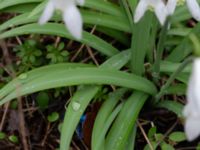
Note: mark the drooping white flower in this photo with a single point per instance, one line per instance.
(192, 108)
(158, 6)
(194, 9)
(70, 13)
(192, 5)
(171, 6)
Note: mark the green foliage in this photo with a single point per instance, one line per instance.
(165, 146)
(42, 99)
(2, 135)
(166, 143)
(177, 136)
(155, 59)
(57, 54)
(29, 54)
(13, 139)
(14, 104)
(54, 116)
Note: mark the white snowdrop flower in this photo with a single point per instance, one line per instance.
(171, 6)
(194, 9)
(192, 108)
(158, 6)
(70, 13)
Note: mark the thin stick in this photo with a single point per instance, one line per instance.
(145, 135)
(82, 46)
(4, 115)
(21, 114)
(92, 55)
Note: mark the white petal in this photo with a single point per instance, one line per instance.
(196, 83)
(80, 2)
(140, 10)
(192, 108)
(48, 12)
(73, 21)
(192, 128)
(194, 9)
(161, 12)
(171, 5)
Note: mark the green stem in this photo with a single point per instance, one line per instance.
(132, 5)
(159, 53)
(128, 12)
(171, 78)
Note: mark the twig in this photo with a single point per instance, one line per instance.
(4, 115)
(92, 55)
(145, 136)
(21, 114)
(82, 46)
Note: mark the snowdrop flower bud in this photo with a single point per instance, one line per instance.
(192, 108)
(194, 9)
(70, 13)
(158, 6)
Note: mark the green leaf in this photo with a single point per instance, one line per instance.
(83, 96)
(152, 132)
(123, 125)
(154, 145)
(25, 77)
(184, 48)
(54, 116)
(13, 138)
(103, 115)
(14, 104)
(140, 43)
(89, 17)
(105, 6)
(5, 3)
(165, 146)
(76, 76)
(42, 100)
(198, 146)
(173, 106)
(2, 135)
(60, 30)
(177, 136)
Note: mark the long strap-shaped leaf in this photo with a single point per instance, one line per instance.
(184, 48)
(33, 74)
(9, 3)
(123, 125)
(89, 17)
(77, 76)
(60, 30)
(100, 5)
(83, 96)
(98, 136)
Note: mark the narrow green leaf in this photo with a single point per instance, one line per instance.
(77, 76)
(60, 30)
(33, 74)
(121, 128)
(9, 3)
(72, 117)
(89, 17)
(173, 106)
(102, 116)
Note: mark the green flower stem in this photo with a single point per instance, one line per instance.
(171, 78)
(124, 3)
(159, 52)
(132, 5)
